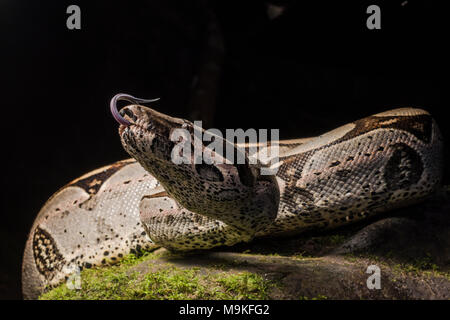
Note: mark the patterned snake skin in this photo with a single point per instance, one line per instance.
(372, 165)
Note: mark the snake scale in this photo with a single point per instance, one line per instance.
(372, 165)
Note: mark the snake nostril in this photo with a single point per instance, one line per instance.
(119, 116)
(127, 112)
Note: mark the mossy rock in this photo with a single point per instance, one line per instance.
(410, 249)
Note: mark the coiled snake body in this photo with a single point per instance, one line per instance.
(384, 161)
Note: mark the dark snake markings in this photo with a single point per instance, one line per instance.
(404, 168)
(46, 254)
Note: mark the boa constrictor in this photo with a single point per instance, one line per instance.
(384, 161)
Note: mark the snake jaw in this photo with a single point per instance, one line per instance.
(121, 129)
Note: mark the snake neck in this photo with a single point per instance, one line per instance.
(236, 194)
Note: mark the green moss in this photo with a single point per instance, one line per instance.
(319, 297)
(229, 265)
(302, 256)
(245, 285)
(422, 266)
(332, 240)
(107, 282)
(121, 281)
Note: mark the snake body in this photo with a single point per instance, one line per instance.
(372, 165)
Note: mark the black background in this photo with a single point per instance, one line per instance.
(314, 68)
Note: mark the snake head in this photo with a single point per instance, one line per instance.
(234, 193)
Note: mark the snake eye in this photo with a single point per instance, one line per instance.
(209, 172)
(245, 175)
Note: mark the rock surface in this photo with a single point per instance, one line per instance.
(411, 249)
